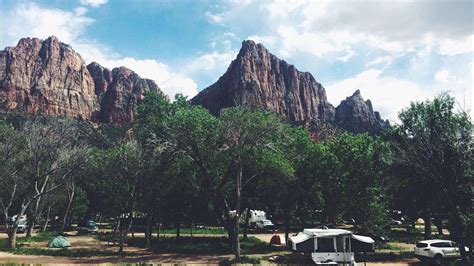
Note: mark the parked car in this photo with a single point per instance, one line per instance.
(87, 226)
(264, 224)
(21, 224)
(437, 250)
(21, 229)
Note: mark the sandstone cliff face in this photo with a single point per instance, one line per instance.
(119, 92)
(356, 115)
(49, 77)
(258, 78)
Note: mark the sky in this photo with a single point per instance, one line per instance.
(393, 51)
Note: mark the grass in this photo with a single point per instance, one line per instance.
(22, 240)
(405, 236)
(385, 256)
(40, 237)
(203, 245)
(64, 252)
(391, 246)
(243, 260)
(197, 231)
(23, 249)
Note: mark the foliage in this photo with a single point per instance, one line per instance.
(434, 144)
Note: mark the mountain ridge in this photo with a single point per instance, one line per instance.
(258, 78)
(48, 76)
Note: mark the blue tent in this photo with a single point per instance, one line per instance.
(59, 242)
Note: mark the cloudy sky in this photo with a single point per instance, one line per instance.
(393, 51)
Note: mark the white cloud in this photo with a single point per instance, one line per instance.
(93, 3)
(318, 45)
(31, 20)
(346, 57)
(472, 70)
(213, 61)
(455, 47)
(386, 60)
(171, 83)
(218, 18)
(80, 11)
(397, 27)
(265, 40)
(387, 94)
(442, 75)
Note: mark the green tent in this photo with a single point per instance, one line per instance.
(59, 242)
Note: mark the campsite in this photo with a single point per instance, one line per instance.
(204, 245)
(237, 132)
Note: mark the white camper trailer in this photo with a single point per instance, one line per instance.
(257, 219)
(335, 246)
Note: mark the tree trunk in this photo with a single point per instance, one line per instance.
(178, 228)
(117, 225)
(131, 228)
(71, 199)
(159, 229)
(238, 199)
(148, 230)
(124, 233)
(12, 237)
(236, 240)
(287, 225)
(439, 225)
(31, 226)
(45, 226)
(246, 225)
(427, 218)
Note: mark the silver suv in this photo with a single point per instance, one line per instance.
(437, 250)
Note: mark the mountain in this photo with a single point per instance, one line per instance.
(47, 76)
(258, 78)
(118, 92)
(357, 116)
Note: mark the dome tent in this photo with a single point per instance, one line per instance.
(59, 242)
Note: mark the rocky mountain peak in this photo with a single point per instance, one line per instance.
(48, 76)
(356, 115)
(260, 79)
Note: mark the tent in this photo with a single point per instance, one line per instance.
(59, 242)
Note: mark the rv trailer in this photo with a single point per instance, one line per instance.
(335, 246)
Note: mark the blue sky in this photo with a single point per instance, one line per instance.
(393, 51)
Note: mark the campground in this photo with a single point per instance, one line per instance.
(201, 248)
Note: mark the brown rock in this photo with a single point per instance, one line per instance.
(48, 77)
(258, 78)
(119, 92)
(357, 116)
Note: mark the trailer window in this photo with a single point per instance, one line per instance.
(325, 245)
(339, 244)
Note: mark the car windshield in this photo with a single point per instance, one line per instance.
(421, 245)
(90, 223)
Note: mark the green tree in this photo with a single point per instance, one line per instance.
(118, 173)
(12, 184)
(435, 143)
(362, 163)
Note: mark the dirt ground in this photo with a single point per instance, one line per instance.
(83, 242)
